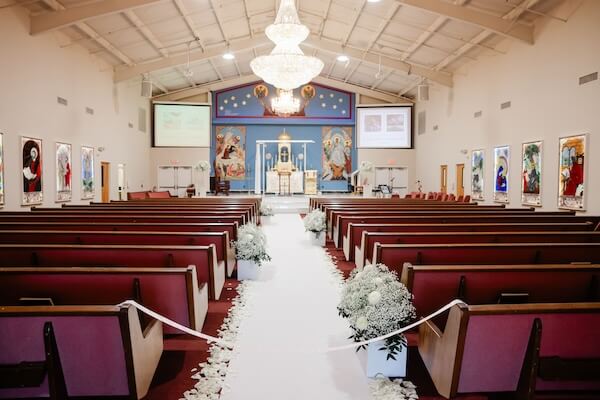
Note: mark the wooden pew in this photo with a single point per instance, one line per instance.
(355, 238)
(204, 258)
(434, 286)
(519, 347)
(334, 213)
(128, 218)
(317, 202)
(396, 255)
(224, 251)
(341, 230)
(229, 227)
(241, 217)
(370, 238)
(172, 292)
(77, 352)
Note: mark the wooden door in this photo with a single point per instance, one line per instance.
(105, 166)
(460, 186)
(443, 178)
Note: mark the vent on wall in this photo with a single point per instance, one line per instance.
(89, 110)
(142, 119)
(478, 114)
(421, 122)
(62, 100)
(505, 105)
(588, 78)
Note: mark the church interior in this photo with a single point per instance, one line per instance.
(299, 199)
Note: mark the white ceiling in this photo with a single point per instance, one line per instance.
(402, 35)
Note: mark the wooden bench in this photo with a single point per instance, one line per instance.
(224, 251)
(355, 238)
(514, 348)
(77, 352)
(172, 292)
(204, 258)
(341, 228)
(396, 255)
(229, 227)
(370, 238)
(434, 286)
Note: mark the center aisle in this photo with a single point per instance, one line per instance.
(291, 316)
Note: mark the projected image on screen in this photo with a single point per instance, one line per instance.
(384, 127)
(181, 125)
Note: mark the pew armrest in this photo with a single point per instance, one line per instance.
(200, 306)
(359, 257)
(146, 350)
(442, 351)
(230, 250)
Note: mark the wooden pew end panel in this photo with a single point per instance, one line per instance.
(442, 351)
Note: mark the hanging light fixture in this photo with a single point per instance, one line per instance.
(287, 67)
(285, 104)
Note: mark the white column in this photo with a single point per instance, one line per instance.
(304, 148)
(257, 170)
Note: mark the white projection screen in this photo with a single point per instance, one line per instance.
(181, 125)
(384, 127)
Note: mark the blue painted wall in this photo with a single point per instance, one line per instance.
(319, 113)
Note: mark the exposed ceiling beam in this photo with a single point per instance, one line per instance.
(124, 73)
(354, 21)
(511, 15)
(443, 78)
(246, 79)
(61, 18)
(376, 94)
(208, 87)
(501, 26)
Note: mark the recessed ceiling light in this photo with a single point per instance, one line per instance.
(342, 58)
(229, 56)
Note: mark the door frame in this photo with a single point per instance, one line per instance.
(105, 180)
(444, 178)
(460, 183)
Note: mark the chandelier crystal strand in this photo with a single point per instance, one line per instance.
(287, 67)
(285, 104)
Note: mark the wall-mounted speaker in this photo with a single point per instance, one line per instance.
(146, 88)
(423, 92)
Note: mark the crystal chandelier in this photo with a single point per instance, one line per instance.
(285, 104)
(287, 67)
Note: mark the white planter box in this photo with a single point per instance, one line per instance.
(367, 190)
(318, 239)
(247, 270)
(377, 363)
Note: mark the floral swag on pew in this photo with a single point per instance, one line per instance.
(376, 303)
(315, 222)
(251, 245)
(266, 210)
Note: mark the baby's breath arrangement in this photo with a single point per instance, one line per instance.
(266, 210)
(251, 244)
(315, 221)
(376, 303)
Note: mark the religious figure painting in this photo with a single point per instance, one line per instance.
(531, 174)
(337, 153)
(87, 173)
(477, 175)
(571, 173)
(1, 170)
(230, 157)
(501, 173)
(63, 172)
(31, 150)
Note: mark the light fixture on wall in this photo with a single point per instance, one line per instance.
(285, 104)
(287, 67)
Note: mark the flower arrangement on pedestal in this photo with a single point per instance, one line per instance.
(266, 210)
(315, 222)
(202, 166)
(376, 303)
(250, 251)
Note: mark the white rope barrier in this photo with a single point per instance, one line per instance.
(224, 343)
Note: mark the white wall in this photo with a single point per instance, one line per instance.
(34, 70)
(542, 83)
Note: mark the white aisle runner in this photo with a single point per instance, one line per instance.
(292, 314)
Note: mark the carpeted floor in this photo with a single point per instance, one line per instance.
(182, 353)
